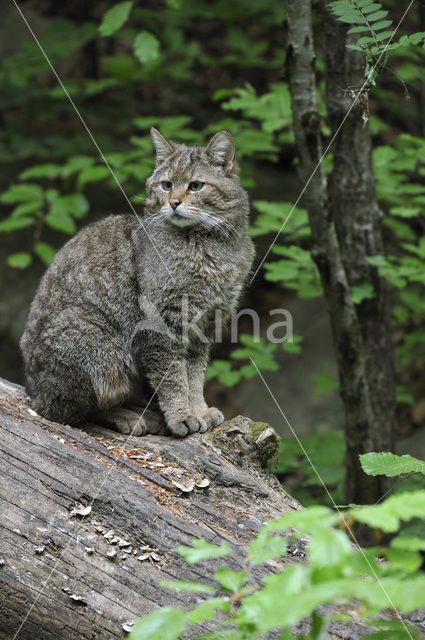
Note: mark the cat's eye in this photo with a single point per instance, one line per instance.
(167, 185)
(196, 185)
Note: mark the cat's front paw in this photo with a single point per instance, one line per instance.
(213, 417)
(187, 425)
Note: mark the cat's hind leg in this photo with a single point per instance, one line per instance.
(132, 420)
(75, 369)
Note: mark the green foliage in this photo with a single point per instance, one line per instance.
(272, 216)
(296, 270)
(44, 251)
(146, 47)
(114, 18)
(355, 582)
(324, 383)
(19, 260)
(369, 17)
(254, 350)
(167, 623)
(202, 550)
(389, 514)
(389, 464)
(272, 109)
(326, 451)
(362, 291)
(230, 581)
(266, 547)
(399, 170)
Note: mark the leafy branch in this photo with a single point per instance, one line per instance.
(370, 18)
(239, 607)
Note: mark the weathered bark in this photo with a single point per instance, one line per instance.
(328, 254)
(358, 222)
(47, 468)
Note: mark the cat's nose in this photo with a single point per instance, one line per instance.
(174, 202)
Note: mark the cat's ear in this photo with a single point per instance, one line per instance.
(221, 150)
(163, 147)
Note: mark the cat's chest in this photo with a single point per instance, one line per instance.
(203, 278)
(208, 270)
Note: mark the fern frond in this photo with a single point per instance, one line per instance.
(368, 16)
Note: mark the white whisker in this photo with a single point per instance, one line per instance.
(219, 222)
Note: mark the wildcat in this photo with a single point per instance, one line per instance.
(105, 322)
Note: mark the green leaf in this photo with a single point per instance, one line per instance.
(378, 15)
(384, 35)
(267, 610)
(20, 260)
(202, 550)
(167, 623)
(51, 195)
(45, 252)
(193, 586)
(61, 221)
(146, 47)
(328, 547)
(216, 367)
(404, 559)
(362, 291)
(370, 8)
(21, 193)
(309, 520)
(361, 29)
(93, 174)
(41, 171)
(324, 383)
(382, 24)
(408, 543)
(406, 211)
(76, 164)
(231, 581)
(293, 345)
(318, 627)
(388, 464)
(207, 610)
(229, 378)
(403, 396)
(265, 547)
(75, 204)
(13, 224)
(388, 515)
(27, 208)
(393, 629)
(114, 18)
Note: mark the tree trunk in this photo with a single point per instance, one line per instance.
(358, 223)
(328, 253)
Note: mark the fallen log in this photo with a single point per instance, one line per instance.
(89, 519)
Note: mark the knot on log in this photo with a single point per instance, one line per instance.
(245, 442)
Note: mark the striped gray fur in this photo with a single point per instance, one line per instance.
(105, 327)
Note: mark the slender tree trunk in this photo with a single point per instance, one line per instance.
(358, 222)
(328, 253)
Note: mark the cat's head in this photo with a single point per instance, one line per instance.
(196, 186)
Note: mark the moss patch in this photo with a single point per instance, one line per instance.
(261, 453)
